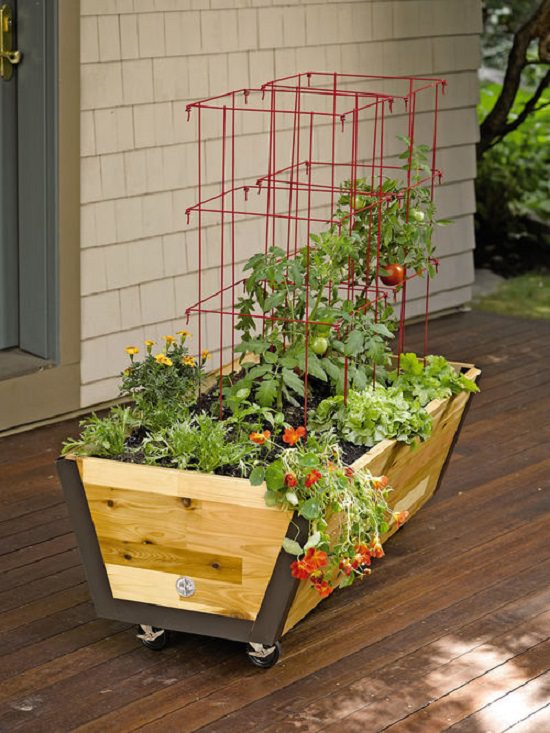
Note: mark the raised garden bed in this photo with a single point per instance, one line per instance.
(316, 443)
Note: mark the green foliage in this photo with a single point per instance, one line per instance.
(513, 192)
(103, 436)
(200, 443)
(527, 296)
(372, 415)
(312, 480)
(422, 384)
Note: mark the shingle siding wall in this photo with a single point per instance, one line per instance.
(143, 60)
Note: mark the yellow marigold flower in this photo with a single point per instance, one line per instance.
(189, 361)
(131, 350)
(205, 355)
(169, 340)
(163, 359)
(184, 334)
(149, 345)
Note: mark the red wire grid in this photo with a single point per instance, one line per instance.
(319, 128)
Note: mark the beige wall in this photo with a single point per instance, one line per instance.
(142, 61)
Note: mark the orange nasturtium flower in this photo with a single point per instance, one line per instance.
(362, 556)
(400, 517)
(312, 561)
(312, 478)
(260, 438)
(375, 548)
(149, 345)
(189, 361)
(381, 482)
(323, 588)
(292, 436)
(131, 350)
(163, 359)
(290, 480)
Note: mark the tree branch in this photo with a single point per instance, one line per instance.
(496, 123)
(530, 105)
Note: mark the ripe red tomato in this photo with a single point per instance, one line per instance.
(395, 274)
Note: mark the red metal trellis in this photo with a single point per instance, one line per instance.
(315, 129)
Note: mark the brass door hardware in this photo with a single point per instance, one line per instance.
(9, 57)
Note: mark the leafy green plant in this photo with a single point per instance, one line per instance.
(103, 436)
(437, 379)
(347, 511)
(201, 443)
(372, 415)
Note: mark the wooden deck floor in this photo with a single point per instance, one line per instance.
(449, 633)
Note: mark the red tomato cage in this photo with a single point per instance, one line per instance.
(271, 162)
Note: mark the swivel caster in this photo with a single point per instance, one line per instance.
(264, 656)
(152, 638)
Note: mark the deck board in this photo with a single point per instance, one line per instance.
(450, 631)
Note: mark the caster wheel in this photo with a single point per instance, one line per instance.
(264, 656)
(153, 638)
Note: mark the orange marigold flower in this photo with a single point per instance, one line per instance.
(260, 438)
(292, 436)
(375, 548)
(400, 517)
(290, 480)
(313, 477)
(189, 361)
(381, 482)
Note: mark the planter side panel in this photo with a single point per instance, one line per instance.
(413, 472)
(155, 525)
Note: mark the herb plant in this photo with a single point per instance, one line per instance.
(103, 436)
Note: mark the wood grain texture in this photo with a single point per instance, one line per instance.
(148, 539)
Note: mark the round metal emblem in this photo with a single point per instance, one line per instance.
(185, 586)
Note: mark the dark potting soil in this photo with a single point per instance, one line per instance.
(294, 415)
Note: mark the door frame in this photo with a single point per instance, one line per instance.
(55, 389)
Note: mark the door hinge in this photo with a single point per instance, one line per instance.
(9, 57)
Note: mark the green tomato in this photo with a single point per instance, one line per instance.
(417, 215)
(319, 345)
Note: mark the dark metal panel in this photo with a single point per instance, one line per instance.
(271, 619)
(9, 253)
(131, 611)
(37, 124)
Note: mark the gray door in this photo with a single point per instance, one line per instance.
(28, 184)
(9, 250)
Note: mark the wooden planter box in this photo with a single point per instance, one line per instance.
(141, 529)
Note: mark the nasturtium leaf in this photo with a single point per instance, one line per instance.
(310, 509)
(271, 498)
(275, 476)
(257, 476)
(313, 540)
(309, 460)
(292, 547)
